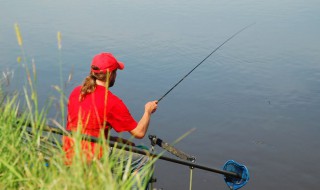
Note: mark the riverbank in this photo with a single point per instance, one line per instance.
(24, 164)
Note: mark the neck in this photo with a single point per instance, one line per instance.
(100, 83)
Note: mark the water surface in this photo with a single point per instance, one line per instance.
(256, 100)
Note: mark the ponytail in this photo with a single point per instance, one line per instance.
(89, 83)
(88, 86)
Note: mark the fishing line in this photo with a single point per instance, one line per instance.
(204, 60)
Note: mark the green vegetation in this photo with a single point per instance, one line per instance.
(32, 162)
(24, 166)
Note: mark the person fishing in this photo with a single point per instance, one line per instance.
(93, 108)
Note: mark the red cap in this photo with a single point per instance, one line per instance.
(105, 62)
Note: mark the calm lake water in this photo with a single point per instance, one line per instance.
(256, 100)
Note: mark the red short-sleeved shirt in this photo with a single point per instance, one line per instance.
(92, 112)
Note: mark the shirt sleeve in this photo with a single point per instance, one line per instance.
(120, 118)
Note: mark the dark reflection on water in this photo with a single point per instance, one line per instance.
(256, 100)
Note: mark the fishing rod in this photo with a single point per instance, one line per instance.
(204, 60)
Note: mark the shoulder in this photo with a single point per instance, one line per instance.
(75, 91)
(113, 95)
(115, 99)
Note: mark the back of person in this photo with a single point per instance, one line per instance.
(95, 113)
(93, 108)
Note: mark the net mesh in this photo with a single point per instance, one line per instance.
(234, 182)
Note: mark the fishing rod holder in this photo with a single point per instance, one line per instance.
(166, 146)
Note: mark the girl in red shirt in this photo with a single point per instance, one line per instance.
(93, 108)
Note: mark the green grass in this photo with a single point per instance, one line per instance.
(23, 164)
(24, 161)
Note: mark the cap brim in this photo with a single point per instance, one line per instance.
(121, 65)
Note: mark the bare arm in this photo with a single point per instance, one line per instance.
(142, 127)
